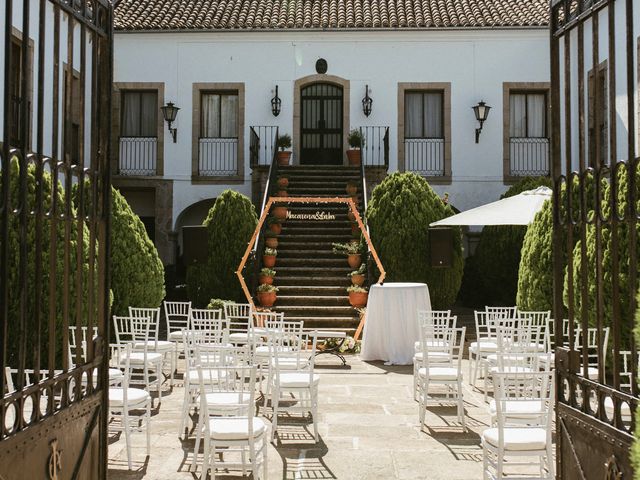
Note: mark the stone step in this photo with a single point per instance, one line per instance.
(307, 271)
(326, 239)
(284, 279)
(315, 311)
(294, 243)
(286, 252)
(310, 290)
(312, 263)
(318, 168)
(313, 300)
(288, 229)
(328, 324)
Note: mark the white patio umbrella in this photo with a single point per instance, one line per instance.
(516, 210)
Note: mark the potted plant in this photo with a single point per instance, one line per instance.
(357, 296)
(280, 212)
(356, 142)
(271, 239)
(269, 257)
(357, 276)
(283, 182)
(267, 294)
(352, 189)
(283, 155)
(282, 193)
(266, 276)
(351, 250)
(275, 225)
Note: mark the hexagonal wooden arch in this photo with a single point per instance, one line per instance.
(291, 200)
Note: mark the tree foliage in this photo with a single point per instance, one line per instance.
(230, 225)
(401, 208)
(137, 273)
(498, 252)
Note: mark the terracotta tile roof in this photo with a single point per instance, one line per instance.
(327, 14)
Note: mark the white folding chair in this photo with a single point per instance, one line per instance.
(447, 373)
(78, 348)
(130, 408)
(211, 324)
(135, 330)
(524, 410)
(239, 318)
(593, 347)
(293, 384)
(176, 315)
(486, 338)
(164, 347)
(505, 312)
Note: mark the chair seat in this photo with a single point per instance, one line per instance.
(161, 346)
(208, 377)
(513, 357)
(517, 439)
(439, 373)
(239, 337)
(135, 397)
(519, 408)
(115, 374)
(417, 346)
(592, 373)
(486, 345)
(137, 358)
(511, 369)
(435, 357)
(290, 363)
(175, 336)
(235, 428)
(226, 400)
(297, 380)
(263, 351)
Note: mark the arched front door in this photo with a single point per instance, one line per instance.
(321, 124)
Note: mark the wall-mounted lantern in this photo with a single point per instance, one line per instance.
(276, 103)
(482, 112)
(367, 102)
(170, 112)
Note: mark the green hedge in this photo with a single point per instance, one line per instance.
(230, 225)
(137, 273)
(13, 265)
(399, 213)
(498, 252)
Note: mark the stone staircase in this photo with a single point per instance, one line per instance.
(311, 278)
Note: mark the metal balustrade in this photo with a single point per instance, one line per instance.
(138, 156)
(375, 151)
(424, 156)
(529, 156)
(217, 157)
(262, 144)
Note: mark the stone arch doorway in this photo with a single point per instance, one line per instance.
(321, 119)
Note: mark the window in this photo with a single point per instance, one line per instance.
(219, 115)
(598, 107)
(73, 116)
(139, 114)
(526, 131)
(528, 115)
(17, 96)
(423, 115)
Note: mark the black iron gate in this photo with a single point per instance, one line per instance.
(321, 124)
(54, 238)
(593, 64)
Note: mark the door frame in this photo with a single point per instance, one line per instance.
(297, 88)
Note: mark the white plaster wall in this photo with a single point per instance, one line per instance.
(475, 62)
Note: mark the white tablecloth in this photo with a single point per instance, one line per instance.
(391, 327)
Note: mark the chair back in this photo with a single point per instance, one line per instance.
(78, 343)
(152, 316)
(517, 391)
(131, 329)
(298, 351)
(592, 344)
(487, 323)
(267, 319)
(177, 316)
(444, 344)
(239, 317)
(209, 323)
(509, 312)
(442, 318)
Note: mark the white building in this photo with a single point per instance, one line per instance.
(424, 65)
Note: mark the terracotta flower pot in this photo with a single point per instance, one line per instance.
(354, 260)
(271, 242)
(354, 156)
(269, 261)
(267, 299)
(352, 190)
(282, 193)
(280, 212)
(265, 279)
(357, 279)
(283, 182)
(283, 158)
(358, 299)
(276, 228)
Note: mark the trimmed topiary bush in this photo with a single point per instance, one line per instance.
(137, 273)
(41, 309)
(399, 214)
(498, 252)
(230, 225)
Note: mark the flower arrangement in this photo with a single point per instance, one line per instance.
(343, 345)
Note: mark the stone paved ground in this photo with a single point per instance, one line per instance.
(368, 428)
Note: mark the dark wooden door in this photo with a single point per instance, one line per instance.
(54, 239)
(321, 124)
(595, 236)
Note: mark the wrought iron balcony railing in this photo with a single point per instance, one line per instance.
(138, 156)
(528, 156)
